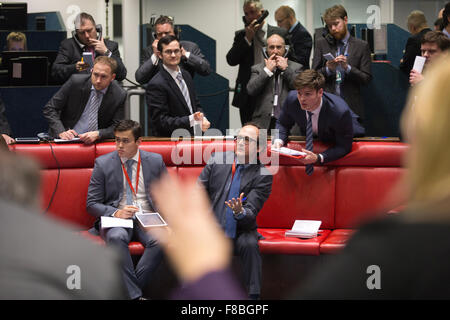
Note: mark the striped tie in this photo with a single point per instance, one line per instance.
(92, 110)
(184, 90)
(309, 142)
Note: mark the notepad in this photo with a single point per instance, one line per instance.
(290, 152)
(111, 222)
(419, 62)
(304, 229)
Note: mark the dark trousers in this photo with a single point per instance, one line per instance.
(135, 278)
(247, 248)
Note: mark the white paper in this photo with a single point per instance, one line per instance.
(288, 151)
(17, 70)
(111, 222)
(304, 229)
(328, 56)
(64, 140)
(419, 62)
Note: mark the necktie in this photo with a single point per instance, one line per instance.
(92, 110)
(184, 90)
(230, 222)
(309, 142)
(129, 164)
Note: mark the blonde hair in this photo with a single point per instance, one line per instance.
(417, 20)
(425, 125)
(16, 37)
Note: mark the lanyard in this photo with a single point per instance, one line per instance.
(233, 169)
(137, 176)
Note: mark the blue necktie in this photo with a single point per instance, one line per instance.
(309, 142)
(129, 164)
(230, 222)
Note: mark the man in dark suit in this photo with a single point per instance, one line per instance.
(192, 58)
(119, 187)
(238, 186)
(332, 121)
(350, 66)
(171, 97)
(85, 39)
(271, 81)
(417, 25)
(299, 38)
(87, 106)
(246, 52)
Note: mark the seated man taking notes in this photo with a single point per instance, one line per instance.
(87, 105)
(238, 185)
(318, 113)
(119, 185)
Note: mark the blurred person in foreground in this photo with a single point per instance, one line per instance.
(41, 258)
(411, 250)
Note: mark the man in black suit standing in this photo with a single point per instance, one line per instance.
(247, 51)
(192, 58)
(171, 97)
(87, 106)
(85, 39)
(298, 36)
(327, 115)
(349, 64)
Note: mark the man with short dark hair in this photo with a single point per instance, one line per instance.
(171, 97)
(238, 186)
(88, 105)
(433, 44)
(319, 114)
(192, 58)
(119, 187)
(347, 65)
(86, 38)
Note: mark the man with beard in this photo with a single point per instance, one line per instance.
(343, 59)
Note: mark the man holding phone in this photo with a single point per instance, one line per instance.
(87, 37)
(120, 184)
(247, 50)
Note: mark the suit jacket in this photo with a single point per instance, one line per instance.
(67, 105)
(167, 107)
(256, 184)
(242, 54)
(195, 64)
(301, 43)
(360, 61)
(261, 87)
(36, 254)
(337, 124)
(4, 125)
(70, 53)
(106, 185)
(412, 50)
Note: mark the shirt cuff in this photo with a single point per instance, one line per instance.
(187, 54)
(248, 42)
(241, 215)
(191, 120)
(320, 158)
(268, 72)
(278, 140)
(154, 59)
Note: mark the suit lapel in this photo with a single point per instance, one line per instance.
(174, 87)
(322, 117)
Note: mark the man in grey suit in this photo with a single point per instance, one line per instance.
(238, 186)
(192, 58)
(87, 106)
(350, 66)
(41, 258)
(247, 51)
(119, 187)
(271, 81)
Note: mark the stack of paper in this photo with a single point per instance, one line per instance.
(304, 229)
(290, 152)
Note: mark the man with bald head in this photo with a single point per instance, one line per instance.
(270, 82)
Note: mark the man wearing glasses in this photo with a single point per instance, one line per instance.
(238, 185)
(171, 97)
(119, 187)
(192, 58)
(87, 37)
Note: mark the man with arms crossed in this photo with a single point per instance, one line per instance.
(119, 186)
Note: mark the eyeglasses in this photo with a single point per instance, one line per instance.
(170, 52)
(245, 139)
(124, 140)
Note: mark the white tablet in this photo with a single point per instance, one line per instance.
(150, 219)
